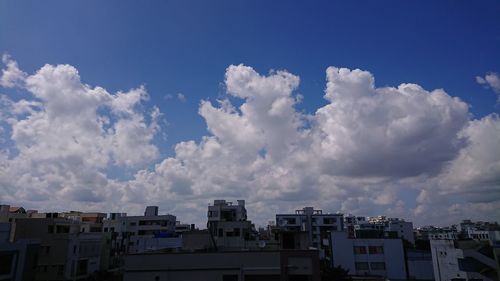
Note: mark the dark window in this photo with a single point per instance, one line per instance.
(359, 250)
(6, 259)
(291, 221)
(82, 267)
(376, 250)
(60, 270)
(377, 265)
(361, 266)
(221, 232)
(329, 220)
(62, 229)
(232, 277)
(50, 229)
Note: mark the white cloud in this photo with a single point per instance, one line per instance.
(181, 97)
(11, 76)
(490, 80)
(363, 152)
(65, 141)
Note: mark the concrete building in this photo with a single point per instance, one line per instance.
(65, 253)
(455, 260)
(223, 266)
(17, 260)
(228, 226)
(419, 264)
(136, 234)
(369, 257)
(314, 224)
(392, 226)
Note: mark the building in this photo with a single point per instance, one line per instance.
(17, 260)
(314, 226)
(224, 266)
(419, 264)
(457, 260)
(376, 257)
(228, 226)
(65, 252)
(135, 234)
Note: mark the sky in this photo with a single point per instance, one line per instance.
(363, 107)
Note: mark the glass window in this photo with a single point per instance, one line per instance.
(376, 250)
(377, 265)
(361, 266)
(359, 250)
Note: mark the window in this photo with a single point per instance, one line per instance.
(361, 266)
(291, 221)
(329, 220)
(50, 229)
(376, 250)
(82, 267)
(221, 232)
(60, 270)
(133, 224)
(359, 250)
(62, 229)
(377, 265)
(232, 277)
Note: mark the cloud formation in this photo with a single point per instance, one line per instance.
(490, 81)
(366, 152)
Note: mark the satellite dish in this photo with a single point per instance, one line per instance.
(262, 244)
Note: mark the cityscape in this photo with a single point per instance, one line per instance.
(305, 245)
(249, 140)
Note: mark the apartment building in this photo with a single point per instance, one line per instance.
(228, 226)
(376, 257)
(136, 234)
(17, 260)
(65, 252)
(308, 227)
(463, 260)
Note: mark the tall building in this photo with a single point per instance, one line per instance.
(466, 260)
(376, 257)
(314, 226)
(65, 252)
(228, 225)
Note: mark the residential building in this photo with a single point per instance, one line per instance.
(376, 257)
(17, 260)
(313, 224)
(224, 265)
(136, 234)
(457, 260)
(65, 253)
(228, 226)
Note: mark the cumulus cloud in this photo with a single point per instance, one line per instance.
(364, 152)
(11, 76)
(69, 134)
(490, 81)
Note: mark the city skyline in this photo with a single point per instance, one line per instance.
(312, 105)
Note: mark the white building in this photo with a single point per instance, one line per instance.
(314, 224)
(228, 226)
(455, 260)
(369, 257)
(136, 234)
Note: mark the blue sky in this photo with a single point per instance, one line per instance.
(174, 47)
(184, 46)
